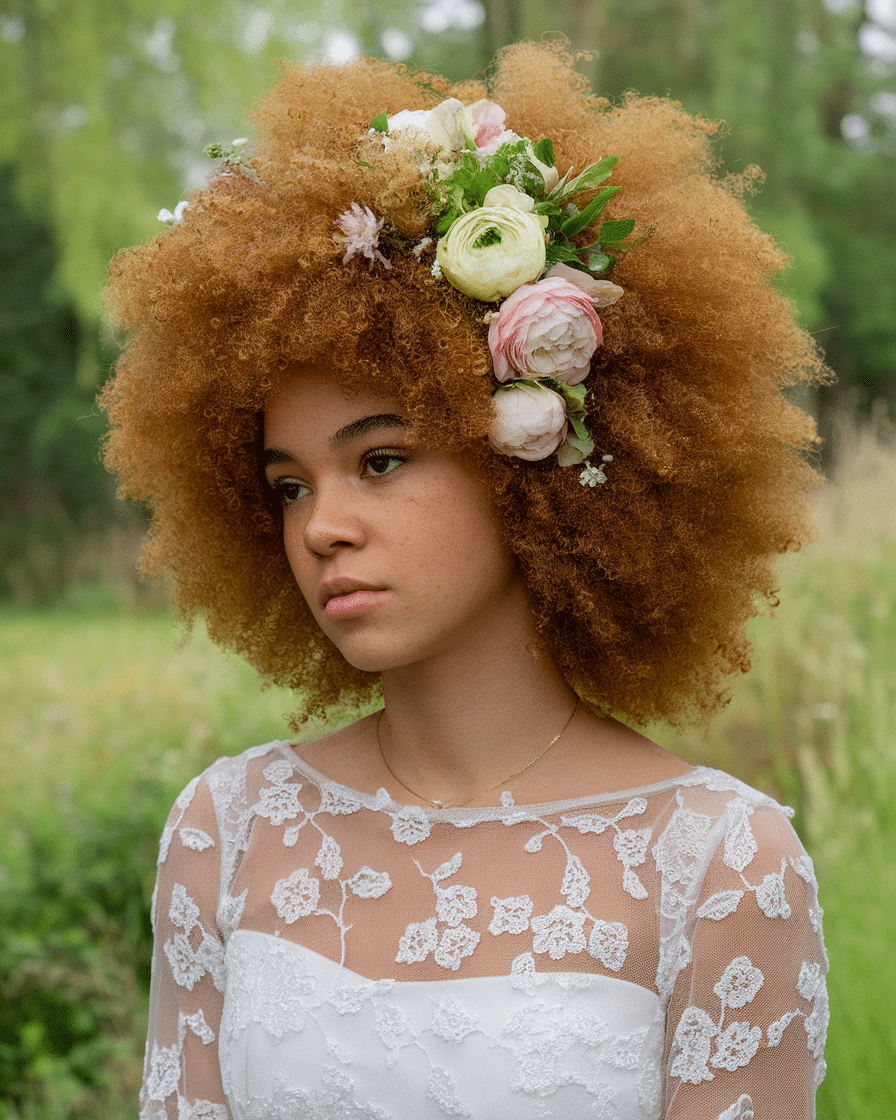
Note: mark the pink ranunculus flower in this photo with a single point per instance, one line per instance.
(548, 329)
(488, 120)
(602, 293)
(530, 420)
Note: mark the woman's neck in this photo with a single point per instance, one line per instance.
(460, 722)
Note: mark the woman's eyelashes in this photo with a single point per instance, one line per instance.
(383, 461)
(378, 463)
(289, 490)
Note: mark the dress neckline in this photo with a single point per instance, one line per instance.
(508, 809)
(564, 979)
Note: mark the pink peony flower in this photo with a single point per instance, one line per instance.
(548, 329)
(530, 421)
(359, 232)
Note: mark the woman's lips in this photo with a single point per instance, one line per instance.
(351, 603)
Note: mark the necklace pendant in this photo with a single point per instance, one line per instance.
(437, 804)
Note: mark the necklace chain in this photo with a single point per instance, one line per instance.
(436, 804)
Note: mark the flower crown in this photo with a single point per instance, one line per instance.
(502, 233)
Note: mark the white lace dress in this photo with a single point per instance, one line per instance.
(324, 954)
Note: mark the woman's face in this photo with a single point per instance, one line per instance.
(393, 545)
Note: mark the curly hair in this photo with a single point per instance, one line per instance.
(640, 587)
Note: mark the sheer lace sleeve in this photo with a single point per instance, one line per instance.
(748, 1009)
(182, 1079)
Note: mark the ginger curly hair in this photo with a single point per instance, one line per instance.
(640, 587)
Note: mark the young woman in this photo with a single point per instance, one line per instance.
(392, 449)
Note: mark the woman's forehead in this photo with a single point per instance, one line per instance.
(315, 404)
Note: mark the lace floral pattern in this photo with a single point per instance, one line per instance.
(552, 917)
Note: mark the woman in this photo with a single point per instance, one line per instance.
(355, 397)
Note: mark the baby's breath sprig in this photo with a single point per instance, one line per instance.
(232, 157)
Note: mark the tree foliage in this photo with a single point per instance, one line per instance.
(802, 99)
(107, 108)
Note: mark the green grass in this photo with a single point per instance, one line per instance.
(104, 719)
(815, 723)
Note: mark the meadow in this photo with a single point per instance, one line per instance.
(103, 718)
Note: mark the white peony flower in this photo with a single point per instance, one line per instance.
(492, 271)
(450, 126)
(530, 420)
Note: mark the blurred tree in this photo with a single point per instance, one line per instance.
(108, 106)
(51, 481)
(807, 90)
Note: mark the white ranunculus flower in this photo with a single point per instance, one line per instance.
(507, 195)
(530, 420)
(491, 272)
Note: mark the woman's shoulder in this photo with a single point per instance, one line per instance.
(735, 837)
(228, 778)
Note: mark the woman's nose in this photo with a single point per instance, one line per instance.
(334, 521)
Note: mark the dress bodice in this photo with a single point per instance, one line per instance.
(323, 953)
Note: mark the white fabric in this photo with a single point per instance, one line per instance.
(326, 954)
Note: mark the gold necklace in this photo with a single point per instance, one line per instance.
(436, 804)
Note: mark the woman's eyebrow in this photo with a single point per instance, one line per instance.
(274, 455)
(367, 424)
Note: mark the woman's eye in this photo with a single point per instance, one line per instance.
(289, 491)
(379, 463)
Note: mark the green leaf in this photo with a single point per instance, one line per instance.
(578, 428)
(481, 183)
(590, 179)
(446, 221)
(560, 253)
(616, 231)
(573, 395)
(544, 151)
(380, 122)
(574, 450)
(600, 262)
(579, 221)
(364, 163)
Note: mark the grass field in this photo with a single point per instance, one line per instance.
(104, 719)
